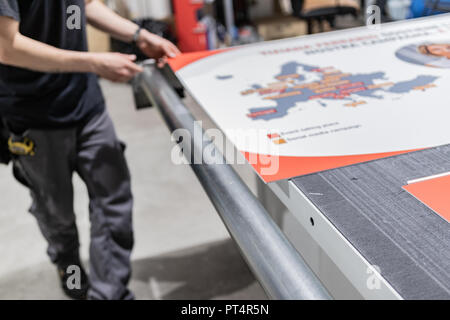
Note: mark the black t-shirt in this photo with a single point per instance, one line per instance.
(31, 99)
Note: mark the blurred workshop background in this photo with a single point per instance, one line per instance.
(182, 248)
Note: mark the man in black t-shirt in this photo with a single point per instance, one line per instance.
(51, 102)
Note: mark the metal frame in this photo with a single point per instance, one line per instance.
(276, 264)
(343, 254)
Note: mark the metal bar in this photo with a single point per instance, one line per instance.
(276, 264)
(228, 9)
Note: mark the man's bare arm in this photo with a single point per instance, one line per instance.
(20, 51)
(104, 19)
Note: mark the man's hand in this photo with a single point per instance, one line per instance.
(116, 67)
(103, 18)
(156, 47)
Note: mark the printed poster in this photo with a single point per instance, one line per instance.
(312, 103)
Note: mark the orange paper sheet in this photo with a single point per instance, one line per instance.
(434, 193)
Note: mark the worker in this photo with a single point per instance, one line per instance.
(51, 102)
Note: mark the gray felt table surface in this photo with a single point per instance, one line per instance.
(388, 226)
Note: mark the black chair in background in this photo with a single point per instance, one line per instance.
(327, 13)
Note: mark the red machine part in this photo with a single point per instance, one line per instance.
(191, 33)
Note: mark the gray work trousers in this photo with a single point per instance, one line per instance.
(93, 151)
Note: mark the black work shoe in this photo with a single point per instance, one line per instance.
(74, 280)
